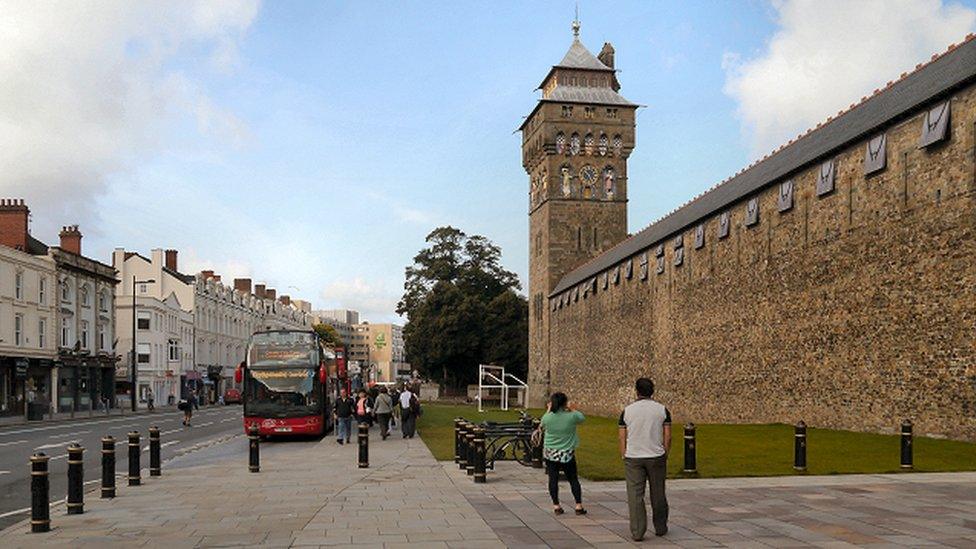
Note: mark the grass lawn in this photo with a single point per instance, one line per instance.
(725, 450)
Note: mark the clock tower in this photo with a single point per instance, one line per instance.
(575, 145)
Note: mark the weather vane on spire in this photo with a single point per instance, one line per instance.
(576, 23)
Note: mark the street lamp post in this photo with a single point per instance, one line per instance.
(133, 375)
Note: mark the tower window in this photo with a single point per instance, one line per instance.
(611, 113)
(588, 112)
(567, 111)
(560, 143)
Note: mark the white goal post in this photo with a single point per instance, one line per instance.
(495, 377)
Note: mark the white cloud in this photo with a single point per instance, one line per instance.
(827, 54)
(87, 88)
(374, 299)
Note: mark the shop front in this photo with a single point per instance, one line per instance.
(85, 383)
(25, 387)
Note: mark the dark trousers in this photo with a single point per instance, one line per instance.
(384, 420)
(569, 468)
(639, 472)
(408, 423)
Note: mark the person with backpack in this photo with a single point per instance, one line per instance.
(364, 410)
(409, 409)
(559, 445)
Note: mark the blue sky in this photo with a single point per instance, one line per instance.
(313, 145)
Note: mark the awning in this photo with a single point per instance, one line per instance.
(193, 375)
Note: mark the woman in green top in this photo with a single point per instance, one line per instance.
(559, 448)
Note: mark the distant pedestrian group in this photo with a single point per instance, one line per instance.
(644, 439)
(381, 405)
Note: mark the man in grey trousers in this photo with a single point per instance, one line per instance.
(645, 440)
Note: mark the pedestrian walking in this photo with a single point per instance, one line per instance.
(150, 399)
(395, 397)
(363, 408)
(342, 413)
(194, 400)
(409, 407)
(187, 408)
(645, 441)
(384, 411)
(559, 448)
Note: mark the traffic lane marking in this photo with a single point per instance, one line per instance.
(70, 434)
(12, 442)
(98, 421)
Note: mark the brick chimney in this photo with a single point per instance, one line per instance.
(13, 223)
(259, 290)
(216, 278)
(242, 285)
(70, 239)
(285, 300)
(171, 260)
(606, 54)
(207, 274)
(270, 293)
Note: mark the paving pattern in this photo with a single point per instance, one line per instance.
(312, 494)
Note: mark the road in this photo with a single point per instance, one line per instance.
(215, 425)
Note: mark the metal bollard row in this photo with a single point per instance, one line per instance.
(75, 502)
(463, 445)
(691, 459)
(800, 446)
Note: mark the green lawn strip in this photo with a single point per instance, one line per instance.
(725, 450)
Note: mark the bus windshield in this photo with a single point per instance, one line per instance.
(282, 378)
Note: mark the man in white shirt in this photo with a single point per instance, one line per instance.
(408, 421)
(645, 440)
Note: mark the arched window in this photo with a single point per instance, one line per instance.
(604, 144)
(574, 144)
(588, 143)
(560, 143)
(65, 291)
(618, 144)
(83, 296)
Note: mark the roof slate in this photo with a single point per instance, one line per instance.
(578, 57)
(927, 84)
(580, 94)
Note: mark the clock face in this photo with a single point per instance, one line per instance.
(588, 175)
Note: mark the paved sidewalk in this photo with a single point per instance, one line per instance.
(311, 493)
(905, 510)
(307, 494)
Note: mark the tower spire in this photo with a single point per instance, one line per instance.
(576, 24)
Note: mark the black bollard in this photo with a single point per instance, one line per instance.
(108, 467)
(363, 438)
(800, 446)
(479, 451)
(254, 454)
(76, 479)
(155, 464)
(691, 462)
(463, 446)
(472, 455)
(40, 494)
(457, 440)
(907, 459)
(537, 450)
(135, 471)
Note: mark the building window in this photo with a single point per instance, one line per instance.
(143, 288)
(65, 332)
(567, 111)
(41, 333)
(174, 350)
(588, 112)
(83, 296)
(84, 334)
(19, 285)
(18, 330)
(103, 301)
(42, 290)
(142, 321)
(611, 113)
(65, 291)
(101, 339)
(143, 352)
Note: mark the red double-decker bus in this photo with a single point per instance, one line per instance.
(341, 372)
(289, 384)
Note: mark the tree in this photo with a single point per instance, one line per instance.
(463, 309)
(328, 335)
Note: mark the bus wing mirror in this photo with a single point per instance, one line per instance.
(323, 374)
(239, 374)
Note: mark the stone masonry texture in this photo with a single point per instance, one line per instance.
(852, 310)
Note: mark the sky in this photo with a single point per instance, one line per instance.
(313, 145)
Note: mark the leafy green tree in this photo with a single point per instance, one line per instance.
(328, 335)
(463, 309)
